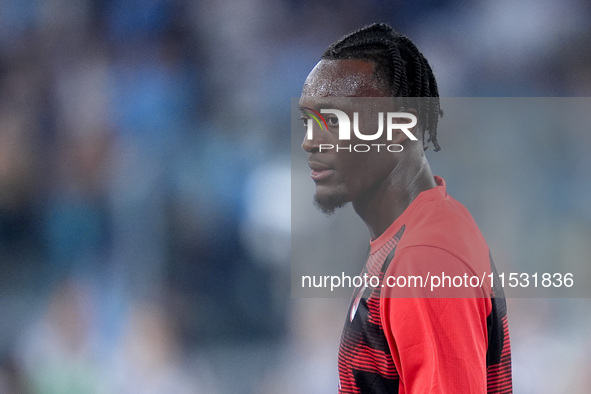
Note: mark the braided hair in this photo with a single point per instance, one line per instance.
(400, 66)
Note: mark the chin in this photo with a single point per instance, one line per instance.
(329, 202)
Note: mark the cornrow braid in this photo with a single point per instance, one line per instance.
(404, 69)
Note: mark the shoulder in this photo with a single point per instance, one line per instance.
(440, 219)
(431, 272)
(444, 227)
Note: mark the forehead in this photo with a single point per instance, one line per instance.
(342, 78)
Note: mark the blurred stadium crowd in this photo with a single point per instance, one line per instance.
(145, 178)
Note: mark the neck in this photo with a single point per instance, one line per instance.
(380, 206)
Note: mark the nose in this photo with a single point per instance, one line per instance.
(309, 145)
(312, 142)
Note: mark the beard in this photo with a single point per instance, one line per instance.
(328, 204)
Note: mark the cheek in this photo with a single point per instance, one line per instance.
(359, 168)
(372, 167)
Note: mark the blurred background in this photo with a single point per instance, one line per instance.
(145, 186)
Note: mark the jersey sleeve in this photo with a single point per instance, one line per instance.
(438, 344)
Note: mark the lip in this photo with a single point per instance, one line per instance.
(320, 171)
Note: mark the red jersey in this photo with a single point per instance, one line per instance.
(427, 344)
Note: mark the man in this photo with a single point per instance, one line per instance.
(402, 341)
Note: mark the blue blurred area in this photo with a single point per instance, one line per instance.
(138, 250)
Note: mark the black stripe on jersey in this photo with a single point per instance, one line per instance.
(376, 383)
(496, 334)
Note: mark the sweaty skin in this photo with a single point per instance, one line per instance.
(379, 184)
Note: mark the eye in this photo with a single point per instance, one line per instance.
(332, 121)
(305, 121)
